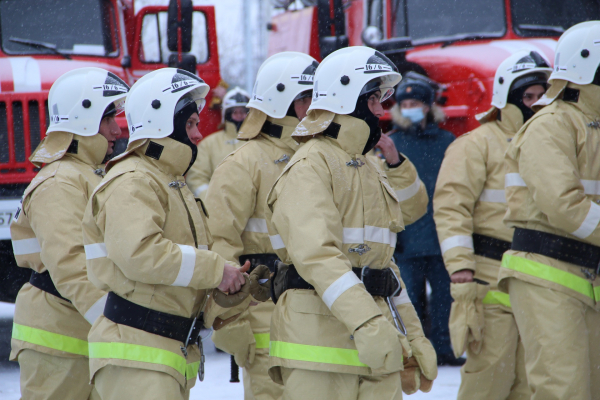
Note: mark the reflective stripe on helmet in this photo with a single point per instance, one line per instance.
(316, 354)
(51, 340)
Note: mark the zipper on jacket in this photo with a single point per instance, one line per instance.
(178, 185)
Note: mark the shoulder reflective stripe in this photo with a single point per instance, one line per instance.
(339, 286)
(200, 189)
(590, 223)
(188, 264)
(202, 247)
(256, 225)
(591, 187)
(496, 297)
(96, 250)
(95, 310)
(370, 233)
(402, 298)
(317, 354)
(410, 191)
(262, 340)
(49, 339)
(493, 196)
(26, 246)
(548, 273)
(353, 235)
(136, 352)
(457, 241)
(277, 242)
(513, 179)
(380, 235)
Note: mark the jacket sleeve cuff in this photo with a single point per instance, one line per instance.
(355, 307)
(208, 270)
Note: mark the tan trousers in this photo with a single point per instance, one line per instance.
(122, 383)
(561, 337)
(258, 385)
(47, 377)
(498, 371)
(301, 384)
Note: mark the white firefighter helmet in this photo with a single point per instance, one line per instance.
(280, 79)
(78, 99)
(236, 97)
(154, 99)
(578, 53)
(344, 74)
(524, 67)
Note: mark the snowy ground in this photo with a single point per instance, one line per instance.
(216, 384)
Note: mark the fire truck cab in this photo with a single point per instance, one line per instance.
(459, 44)
(40, 41)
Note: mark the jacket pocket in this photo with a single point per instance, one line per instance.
(307, 302)
(393, 205)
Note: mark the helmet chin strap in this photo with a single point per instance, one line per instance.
(180, 133)
(361, 111)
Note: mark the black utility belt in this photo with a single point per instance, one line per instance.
(378, 282)
(489, 247)
(558, 247)
(44, 282)
(267, 259)
(124, 312)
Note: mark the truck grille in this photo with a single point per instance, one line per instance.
(23, 122)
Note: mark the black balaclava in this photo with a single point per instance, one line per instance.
(515, 96)
(180, 134)
(362, 112)
(596, 80)
(291, 112)
(238, 124)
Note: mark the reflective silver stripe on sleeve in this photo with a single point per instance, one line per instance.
(370, 233)
(402, 298)
(96, 250)
(188, 264)
(26, 246)
(256, 225)
(590, 222)
(591, 187)
(407, 193)
(513, 179)
(457, 241)
(493, 196)
(202, 247)
(200, 189)
(95, 310)
(353, 235)
(277, 242)
(339, 286)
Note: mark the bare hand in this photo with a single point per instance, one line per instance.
(463, 276)
(233, 278)
(388, 149)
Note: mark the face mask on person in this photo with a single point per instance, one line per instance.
(414, 114)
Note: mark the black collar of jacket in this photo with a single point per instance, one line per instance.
(272, 129)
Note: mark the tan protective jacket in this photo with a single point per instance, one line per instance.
(332, 209)
(46, 236)
(147, 240)
(211, 151)
(469, 193)
(552, 185)
(236, 200)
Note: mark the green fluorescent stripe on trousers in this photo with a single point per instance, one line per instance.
(549, 273)
(496, 297)
(597, 292)
(49, 339)
(136, 352)
(318, 354)
(262, 340)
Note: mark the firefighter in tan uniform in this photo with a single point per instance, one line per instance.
(552, 191)
(469, 205)
(342, 328)
(147, 244)
(214, 148)
(55, 311)
(237, 196)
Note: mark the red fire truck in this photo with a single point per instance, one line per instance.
(41, 40)
(456, 43)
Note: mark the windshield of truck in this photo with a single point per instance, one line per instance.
(81, 27)
(436, 20)
(551, 17)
